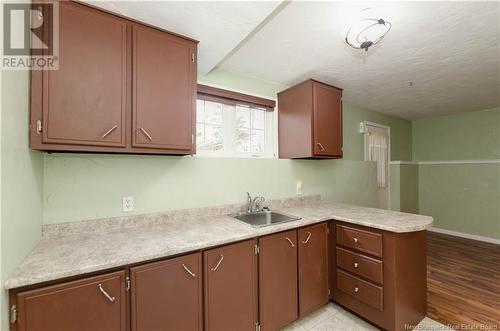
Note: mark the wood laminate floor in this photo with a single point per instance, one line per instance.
(463, 280)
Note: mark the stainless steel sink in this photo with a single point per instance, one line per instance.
(264, 218)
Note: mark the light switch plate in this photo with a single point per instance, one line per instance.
(128, 204)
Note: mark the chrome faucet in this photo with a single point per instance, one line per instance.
(255, 204)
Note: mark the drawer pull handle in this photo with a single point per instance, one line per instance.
(290, 241)
(309, 234)
(106, 294)
(109, 131)
(355, 240)
(218, 263)
(356, 264)
(147, 134)
(356, 290)
(321, 148)
(188, 271)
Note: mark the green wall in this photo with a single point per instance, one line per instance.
(244, 84)
(461, 197)
(22, 169)
(404, 187)
(401, 133)
(466, 136)
(87, 186)
(91, 186)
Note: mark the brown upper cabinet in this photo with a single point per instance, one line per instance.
(278, 303)
(84, 102)
(163, 90)
(310, 121)
(121, 87)
(96, 303)
(167, 295)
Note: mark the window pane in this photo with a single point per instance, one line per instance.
(242, 117)
(200, 111)
(213, 112)
(213, 138)
(257, 141)
(258, 119)
(243, 140)
(200, 135)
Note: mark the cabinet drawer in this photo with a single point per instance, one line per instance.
(360, 265)
(362, 290)
(360, 240)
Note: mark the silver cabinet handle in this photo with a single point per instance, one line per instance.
(188, 271)
(356, 264)
(290, 241)
(109, 131)
(356, 290)
(147, 134)
(355, 239)
(309, 234)
(218, 263)
(109, 297)
(321, 148)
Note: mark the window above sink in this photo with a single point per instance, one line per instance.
(233, 128)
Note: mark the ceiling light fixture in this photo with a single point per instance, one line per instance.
(367, 32)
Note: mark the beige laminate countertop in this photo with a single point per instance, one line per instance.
(77, 254)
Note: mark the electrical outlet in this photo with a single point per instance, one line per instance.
(299, 187)
(128, 204)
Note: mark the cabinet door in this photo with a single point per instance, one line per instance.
(327, 102)
(313, 267)
(167, 295)
(231, 287)
(91, 304)
(164, 90)
(84, 101)
(278, 280)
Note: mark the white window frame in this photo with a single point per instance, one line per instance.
(229, 130)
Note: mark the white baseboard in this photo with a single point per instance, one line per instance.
(466, 235)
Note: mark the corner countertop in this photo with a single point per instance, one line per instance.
(80, 253)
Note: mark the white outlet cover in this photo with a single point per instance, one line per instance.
(128, 204)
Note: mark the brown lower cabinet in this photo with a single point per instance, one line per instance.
(313, 267)
(379, 275)
(231, 287)
(269, 281)
(167, 295)
(91, 304)
(278, 280)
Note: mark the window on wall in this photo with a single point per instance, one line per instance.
(228, 127)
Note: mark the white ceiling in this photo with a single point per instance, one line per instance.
(449, 50)
(219, 26)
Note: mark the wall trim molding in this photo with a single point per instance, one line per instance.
(447, 162)
(459, 162)
(466, 235)
(403, 162)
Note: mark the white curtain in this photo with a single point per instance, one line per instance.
(377, 151)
